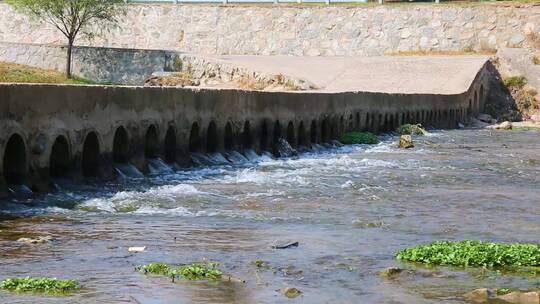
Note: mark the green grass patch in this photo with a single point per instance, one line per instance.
(18, 73)
(515, 82)
(473, 253)
(191, 272)
(39, 285)
(411, 129)
(354, 138)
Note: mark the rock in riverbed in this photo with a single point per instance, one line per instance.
(285, 245)
(405, 142)
(486, 118)
(390, 272)
(38, 240)
(291, 292)
(502, 126)
(517, 297)
(483, 295)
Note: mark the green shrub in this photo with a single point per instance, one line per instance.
(410, 129)
(353, 138)
(515, 82)
(196, 271)
(41, 285)
(473, 253)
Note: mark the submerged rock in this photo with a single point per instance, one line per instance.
(505, 125)
(517, 297)
(405, 142)
(285, 245)
(486, 118)
(38, 240)
(481, 295)
(391, 272)
(284, 149)
(291, 292)
(502, 126)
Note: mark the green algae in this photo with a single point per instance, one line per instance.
(39, 285)
(191, 272)
(473, 253)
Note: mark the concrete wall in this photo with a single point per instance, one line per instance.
(35, 117)
(215, 29)
(104, 65)
(128, 66)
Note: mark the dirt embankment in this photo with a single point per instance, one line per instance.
(516, 83)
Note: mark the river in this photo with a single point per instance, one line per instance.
(350, 208)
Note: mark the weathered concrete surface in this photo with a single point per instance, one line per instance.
(307, 31)
(390, 74)
(77, 131)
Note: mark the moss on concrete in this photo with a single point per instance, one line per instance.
(354, 138)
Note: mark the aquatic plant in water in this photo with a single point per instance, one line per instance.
(473, 253)
(42, 285)
(354, 138)
(196, 271)
(411, 129)
(155, 268)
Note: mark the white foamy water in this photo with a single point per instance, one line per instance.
(350, 208)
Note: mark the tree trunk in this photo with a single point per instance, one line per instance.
(68, 58)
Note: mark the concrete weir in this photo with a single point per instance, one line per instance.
(77, 132)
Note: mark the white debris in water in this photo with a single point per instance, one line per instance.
(347, 184)
(137, 249)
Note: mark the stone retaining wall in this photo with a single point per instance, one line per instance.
(105, 65)
(215, 29)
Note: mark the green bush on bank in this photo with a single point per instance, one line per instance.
(40, 285)
(411, 129)
(515, 82)
(354, 138)
(473, 253)
(192, 272)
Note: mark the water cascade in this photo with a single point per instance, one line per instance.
(251, 155)
(236, 157)
(20, 191)
(158, 166)
(127, 171)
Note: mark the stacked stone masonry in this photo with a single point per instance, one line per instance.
(311, 31)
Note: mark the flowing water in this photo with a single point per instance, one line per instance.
(350, 208)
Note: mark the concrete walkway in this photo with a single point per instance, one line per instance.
(390, 74)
